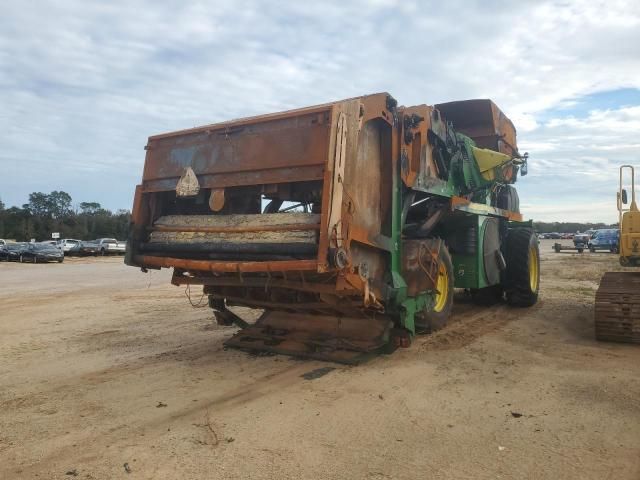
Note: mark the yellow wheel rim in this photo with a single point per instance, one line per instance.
(443, 288)
(533, 269)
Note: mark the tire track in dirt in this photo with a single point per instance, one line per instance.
(466, 326)
(101, 438)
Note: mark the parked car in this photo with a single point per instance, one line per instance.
(110, 246)
(554, 235)
(10, 252)
(84, 248)
(53, 243)
(2, 242)
(67, 244)
(605, 239)
(40, 252)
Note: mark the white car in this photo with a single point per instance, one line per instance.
(67, 244)
(110, 246)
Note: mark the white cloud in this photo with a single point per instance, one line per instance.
(574, 173)
(83, 84)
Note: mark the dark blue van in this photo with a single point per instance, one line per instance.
(606, 239)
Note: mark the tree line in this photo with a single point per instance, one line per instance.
(52, 212)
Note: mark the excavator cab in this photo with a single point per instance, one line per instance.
(629, 222)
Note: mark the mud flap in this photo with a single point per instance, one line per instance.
(345, 340)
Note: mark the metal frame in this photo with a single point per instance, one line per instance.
(319, 143)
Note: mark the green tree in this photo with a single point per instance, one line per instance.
(59, 204)
(38, 204)
(56, 204)
(90, 208)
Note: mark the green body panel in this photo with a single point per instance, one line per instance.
(464, 178)
(468, 268)
(398, 289)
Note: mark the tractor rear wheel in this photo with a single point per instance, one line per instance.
(430, 320)
(523, 268)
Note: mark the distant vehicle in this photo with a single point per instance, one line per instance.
(542, 236)
(109, 246)
(581, 241)
(554, 235)
(605, 239)
(67, 244)
(84, 248)
(567, 236)
(10, 252)
(40, 252)
(53, 243)
(2, 242)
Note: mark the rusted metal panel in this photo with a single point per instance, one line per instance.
(282, 143)
(484, 122)
(420, 264)
(324, 337)
(343, 179)
(227, 267)
(243, 178)
(417, 162)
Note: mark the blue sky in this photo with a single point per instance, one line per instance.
(82, 85)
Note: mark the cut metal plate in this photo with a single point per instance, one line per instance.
(336, 339)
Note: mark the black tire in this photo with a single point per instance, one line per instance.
(522, 250)
(103, 252)
(21, 259)
(592, 249)
(508, 199)
(580, 250)
(488, 296)
(615, 250)
(429, 321)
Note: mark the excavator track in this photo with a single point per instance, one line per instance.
(617, 309)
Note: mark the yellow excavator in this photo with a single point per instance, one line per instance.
(617, 309)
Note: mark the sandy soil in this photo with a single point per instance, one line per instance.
(102, 366)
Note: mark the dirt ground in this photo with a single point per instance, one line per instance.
(106, 373)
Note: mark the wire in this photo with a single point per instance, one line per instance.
(187, 292)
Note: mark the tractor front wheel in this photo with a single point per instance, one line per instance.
(523, 268)
(436, 317)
